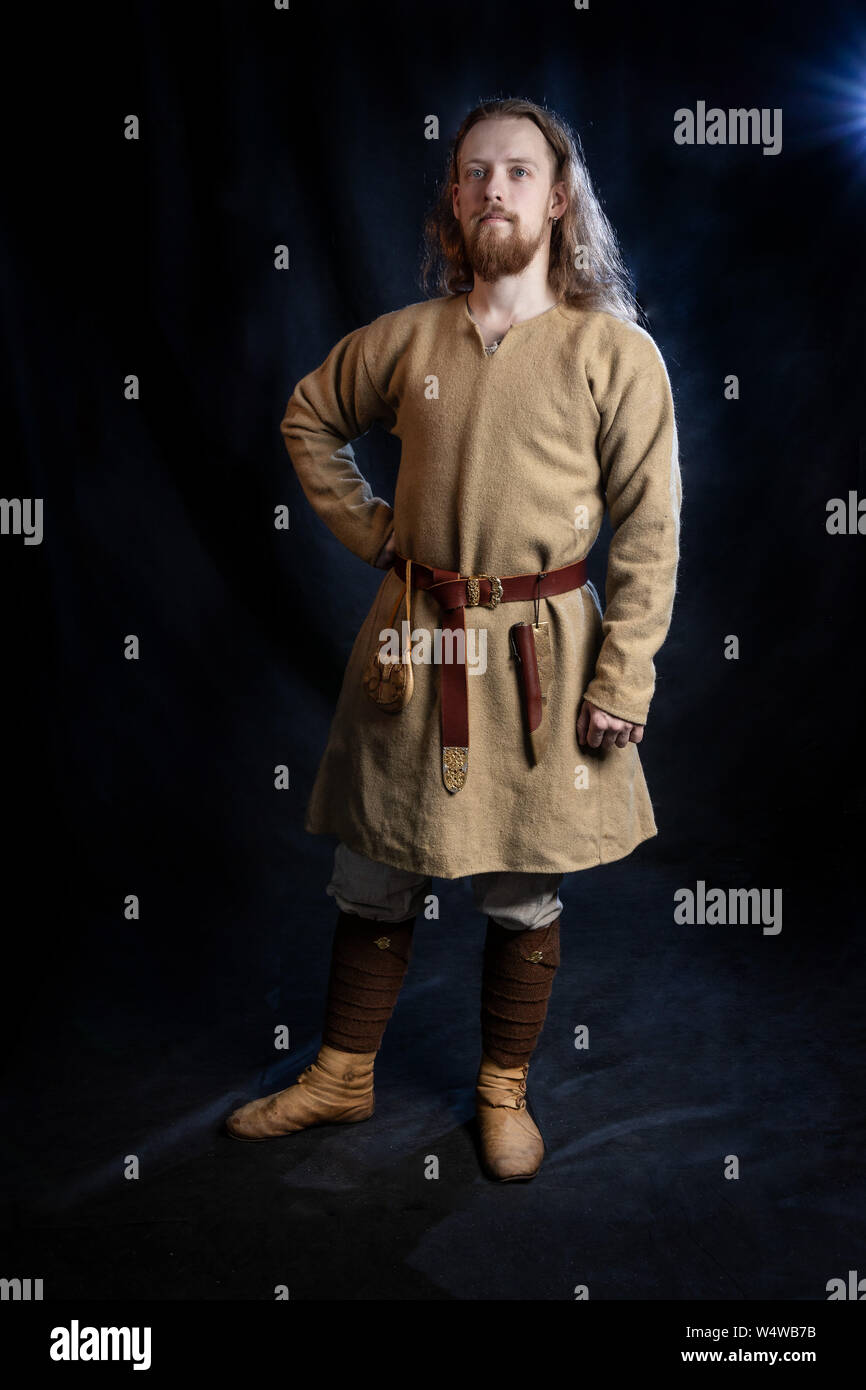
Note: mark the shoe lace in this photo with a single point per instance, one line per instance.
(502, 1086)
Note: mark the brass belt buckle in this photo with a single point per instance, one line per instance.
(473, 591)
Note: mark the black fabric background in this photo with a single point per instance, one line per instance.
(155, 777)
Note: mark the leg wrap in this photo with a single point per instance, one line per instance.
(517, 978)
(369, 960)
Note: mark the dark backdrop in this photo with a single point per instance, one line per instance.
(155, 777)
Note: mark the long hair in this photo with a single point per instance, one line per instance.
(586, 270)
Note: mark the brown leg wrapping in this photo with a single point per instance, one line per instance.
(518, 972)
(369, 960)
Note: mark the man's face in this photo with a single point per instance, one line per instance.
(504, 197)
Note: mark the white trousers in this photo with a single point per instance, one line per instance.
(521, 902)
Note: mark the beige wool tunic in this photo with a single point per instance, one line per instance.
(507, 462)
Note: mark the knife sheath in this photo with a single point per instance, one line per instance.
(531, 645)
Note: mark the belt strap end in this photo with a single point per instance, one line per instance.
(455, 767)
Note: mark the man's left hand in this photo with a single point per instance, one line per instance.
(602, 730)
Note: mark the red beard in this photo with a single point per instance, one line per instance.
(494, 251)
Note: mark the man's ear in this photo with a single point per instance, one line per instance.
(559, 188)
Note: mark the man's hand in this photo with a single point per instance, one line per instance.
(385, 558)
(602, 730)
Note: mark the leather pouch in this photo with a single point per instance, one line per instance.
(390, 683)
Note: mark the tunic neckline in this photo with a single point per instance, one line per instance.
(492, 349)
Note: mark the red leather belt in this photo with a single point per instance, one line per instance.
(454, 593)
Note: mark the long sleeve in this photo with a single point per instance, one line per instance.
(639, 458)
(329, 407)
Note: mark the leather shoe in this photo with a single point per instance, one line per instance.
(511, 1144)
(337, 1088)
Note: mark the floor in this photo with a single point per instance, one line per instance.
(711, 1049)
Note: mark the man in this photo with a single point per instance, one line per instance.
(525, 396)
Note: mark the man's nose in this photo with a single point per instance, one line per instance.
(492, 189)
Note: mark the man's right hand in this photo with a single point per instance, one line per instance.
(385, 558)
